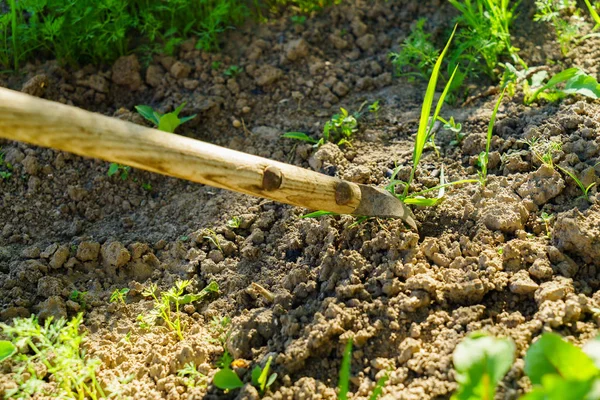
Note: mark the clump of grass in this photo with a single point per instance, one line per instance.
(164, 302)
(417, 54)
(553, 12)
(68, 374)
(584, 189)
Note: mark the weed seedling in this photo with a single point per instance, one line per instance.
(114, 168)
(417, 55)
(218, 328)
(456, 128)
(339, 130)
(234, 222)
(575, 82)
(147, 186)
(215, 65)
(191, 377)
(212, 237)
(164, 303)
(261, 378)
(374, 109)
(550, 11)
(165, 122)
(226, 378)
(543, 150)
(5, 168)
(57, 346)
(79, 298)
(298, 19)
(483, 158)
(593, 13)
(583, 188)
(118, 295)
(546, 218)
(481, 361)
(232, 71)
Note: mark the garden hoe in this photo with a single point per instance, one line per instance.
(49, 124)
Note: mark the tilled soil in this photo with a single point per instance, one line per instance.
(482, 260)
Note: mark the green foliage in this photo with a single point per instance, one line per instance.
(78, 32)
(552, 11)
(304, 6)
(165, 122)
(546, 218)
(191, 376)
(118, 295)
(5, 167)
(593, 13)
(7, 349)
(456, 128)
(164, 303)
(417, 55)
(584, 189)
(575, 82)
(483, 158)
(339, 130)
(344, 380)
(234, 222)
(226, 378)
(79, 298)
(68, 374)
(374, 108)
(261, 378)
(481, 361)
(232, 71)
(487, 35)
(557, 369)
(113, 168)
(298, 19)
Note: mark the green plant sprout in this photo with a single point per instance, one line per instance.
(147, 186)
(79, 298)
(583, 188)
(219, 328)
(298, 19)
(164, 122)
(593, 13)
(261, 378)
(417, 55)
(212, 237)
(575, 82)
(163, 304)
(481, 361)
(113, 168)
(483, 158)
(232, 71)
(544, 150)
(339, 130)
(546, 218)
(234, 222)
(456, 128)
(215, 65)
(191, 377)
(118, 295)
(57, 346)
(488, 33)
(5, 168)
(550, 11)
(7, 349)
(344, 377)
(226, 378)
(374, 109)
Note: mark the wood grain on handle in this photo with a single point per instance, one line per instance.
(58, 126)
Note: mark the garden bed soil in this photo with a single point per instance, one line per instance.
(482, 260)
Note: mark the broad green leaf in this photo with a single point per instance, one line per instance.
(112, 169)
(299, 136)
(550, 354)
(562, 76)
(592, 349)
(584, 85)
(481, 361)
(256, 371)
(7, 349)
(344, 380)
(557, 388)
(168, 123)
(316, 214)
(148, 113)
(227, 379)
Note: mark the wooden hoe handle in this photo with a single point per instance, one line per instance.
(45, 123)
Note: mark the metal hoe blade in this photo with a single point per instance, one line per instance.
(380, 203)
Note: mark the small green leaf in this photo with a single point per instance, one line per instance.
(148, 113)
(168, 123)
(256, 371)
(264, 376)
(7, 349)
(271, 379)
(186, 119)
(178, 109)
(299, 136)
(112, 169)
(584, 85)
(227, 379)
(550, 354)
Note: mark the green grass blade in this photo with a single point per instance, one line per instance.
(344, 381)
(379, 387)
(440, 102)
(316, 214)
(299, 136)
(427, 102)
(492, 122)
(148, 113)
(593, 13)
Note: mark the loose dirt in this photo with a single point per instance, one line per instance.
(482, 260)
